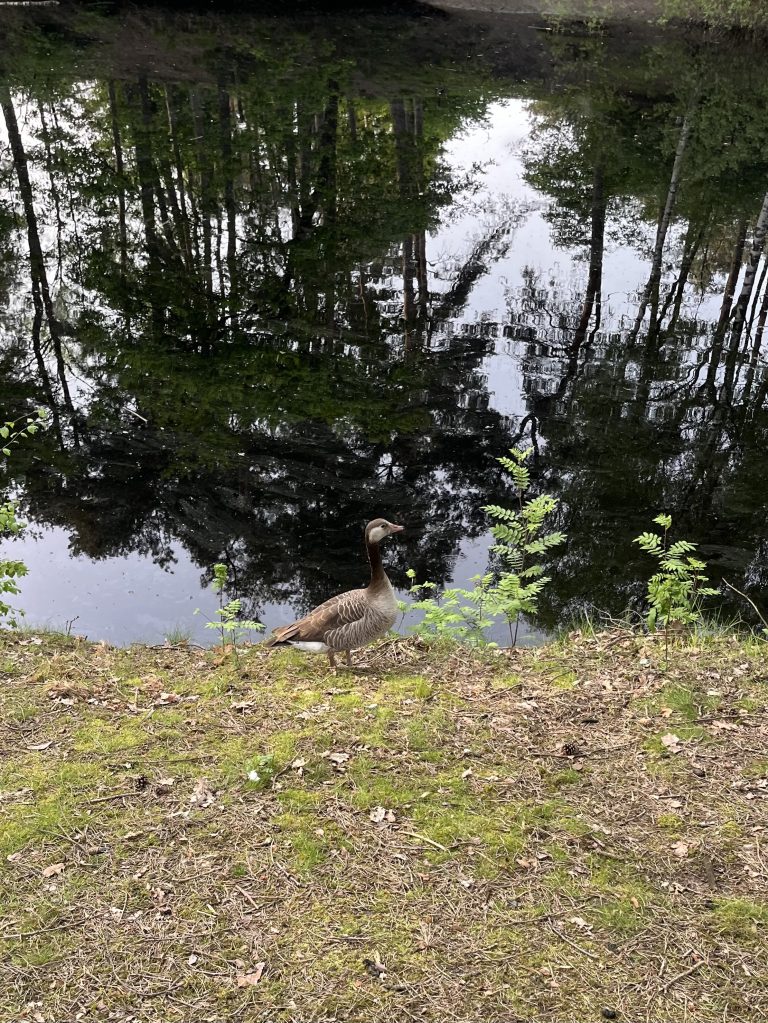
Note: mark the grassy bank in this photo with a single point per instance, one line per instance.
(562, 833)
(719, 14)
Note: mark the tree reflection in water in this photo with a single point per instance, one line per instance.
(223, 277)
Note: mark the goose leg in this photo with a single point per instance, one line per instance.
(348, 657)
(332, 659)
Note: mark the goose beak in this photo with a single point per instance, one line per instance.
(396, 529)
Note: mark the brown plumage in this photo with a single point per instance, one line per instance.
(352, 619)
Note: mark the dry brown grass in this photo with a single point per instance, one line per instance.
(542, 835)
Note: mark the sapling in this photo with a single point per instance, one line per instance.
(520, 537)
(456, 612)
(675, 593)
(229, 622)
(509, 592)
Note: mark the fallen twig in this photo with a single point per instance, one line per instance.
(42, 930)
(682, 976)
(567, 940)
(749, 601)
(115, 795)
(423, 838)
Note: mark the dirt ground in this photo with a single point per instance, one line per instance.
(571, 833)
(640, 10)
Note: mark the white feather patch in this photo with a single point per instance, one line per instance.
(310, 648)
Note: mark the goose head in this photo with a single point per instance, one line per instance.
(378, 529)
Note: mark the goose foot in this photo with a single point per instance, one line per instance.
(347, 661)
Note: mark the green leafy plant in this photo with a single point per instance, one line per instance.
(676, 591)
(12, 570)
(510, 591)
(263, 770)
(230, 625)
(456, 613)
(520, 538)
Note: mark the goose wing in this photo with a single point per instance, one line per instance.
(343, 609)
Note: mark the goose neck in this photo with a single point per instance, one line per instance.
(378, 575)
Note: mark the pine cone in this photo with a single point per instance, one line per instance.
(571, 749)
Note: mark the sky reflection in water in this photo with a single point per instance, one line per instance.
(267, 295)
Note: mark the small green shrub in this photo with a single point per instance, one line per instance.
(676, 591)
(520, 537)
(513, 588)
(230, 626)
(10, 569)
(455, 613)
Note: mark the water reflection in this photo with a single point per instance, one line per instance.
(303, 275)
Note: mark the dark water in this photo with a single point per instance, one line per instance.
(274, 277)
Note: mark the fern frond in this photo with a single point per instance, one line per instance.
(650, 542)
(501, 514)
(532, 573)
(681, 547)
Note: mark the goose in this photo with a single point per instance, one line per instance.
(352, 619)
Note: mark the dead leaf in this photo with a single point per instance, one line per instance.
(192, 960)
(666, 712)
(467, 773)
(40, 746)
(17, 794)
(252, 977)
(379, 814)
(59, 689)
(681, 850)
(579, 921)
(164, 786)
(337, 758)
(53, 870)
(164, 699)
(671, 742)
(374, 967)
(13, 857)
(298, 763)
(202, 793)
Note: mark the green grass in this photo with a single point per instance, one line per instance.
(178, 634)
(684, 703)
(422, 818)
(740, 918)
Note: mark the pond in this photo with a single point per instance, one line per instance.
(272, 277)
